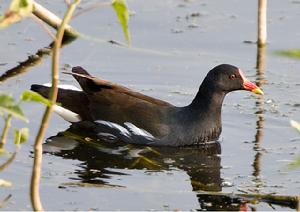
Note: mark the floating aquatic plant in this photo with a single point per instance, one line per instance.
(291, 53)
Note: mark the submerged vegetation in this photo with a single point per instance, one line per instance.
(9, 109)
(291, 53)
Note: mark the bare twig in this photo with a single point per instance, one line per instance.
(9, 161)
(3, 202)
(52, 20)
(91, 7)
(5, 131)
(38, 149)
(67, 2)
(43, 25)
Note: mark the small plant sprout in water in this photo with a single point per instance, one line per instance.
(9, 108)
(296, 162)
(291, 53)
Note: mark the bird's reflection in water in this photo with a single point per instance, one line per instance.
(101, 159)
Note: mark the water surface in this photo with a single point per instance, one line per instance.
(173, 51)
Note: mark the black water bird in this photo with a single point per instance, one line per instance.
(115, 112)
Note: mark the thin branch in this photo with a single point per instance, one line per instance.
(5, 131)
(67, 2)
(38, 148)
(52, 20)
(9, 161)
(91, 7)
(3, 202)
(43, 25)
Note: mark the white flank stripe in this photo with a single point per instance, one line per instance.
(138, 131)
(106, 135)
(66, 114)
(123, 130)
(64, 86)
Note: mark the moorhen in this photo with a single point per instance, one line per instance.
(119, 113)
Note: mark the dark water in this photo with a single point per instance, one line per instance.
(173, 50)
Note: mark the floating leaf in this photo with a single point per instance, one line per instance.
(7, 105)
(34, 97)
(18, 10)
(292, 53)
(296, 125)
(5, 183)
(21, 135)
(121, 9)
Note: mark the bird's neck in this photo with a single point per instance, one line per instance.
(205, 110)
(208, 100)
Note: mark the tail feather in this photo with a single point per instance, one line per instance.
(66, 114)
(74, 104)
(85, 80)
(81, 75)
(43, 90)
(80, 70)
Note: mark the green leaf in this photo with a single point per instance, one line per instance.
(292, 53)
(23, 7)
(121, 9)
(7, 105)
(18, 10)
(296, 125)
(21, 135)
(34, 97)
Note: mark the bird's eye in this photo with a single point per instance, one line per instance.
(232, 76)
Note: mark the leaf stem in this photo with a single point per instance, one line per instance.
(5, 131)
(38, 148)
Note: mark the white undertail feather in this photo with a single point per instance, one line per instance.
(66, 114)
(64, 86)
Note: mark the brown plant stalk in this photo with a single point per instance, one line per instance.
(38, 149)
(51, 19)
(5, 131)
(262, 23)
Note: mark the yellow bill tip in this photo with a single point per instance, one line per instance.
(257, 90)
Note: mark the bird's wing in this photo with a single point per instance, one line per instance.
(93, 85)
(118, 104)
